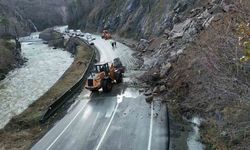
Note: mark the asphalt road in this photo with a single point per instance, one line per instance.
(110, 121)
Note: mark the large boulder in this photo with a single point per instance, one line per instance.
(143, 44)
(179, 29)
(165, 69)
(53, 37)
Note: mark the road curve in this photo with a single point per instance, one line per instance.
(117, 120)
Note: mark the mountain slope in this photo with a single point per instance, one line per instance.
(25, 16)
(131, 18)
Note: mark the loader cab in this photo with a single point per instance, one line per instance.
(101, 67)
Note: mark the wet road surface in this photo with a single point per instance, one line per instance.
(109, 121)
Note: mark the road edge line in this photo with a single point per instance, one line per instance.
(151, 127)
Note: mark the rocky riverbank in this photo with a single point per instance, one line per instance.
(53, 38)
(10, 56)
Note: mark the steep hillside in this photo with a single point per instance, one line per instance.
(195, 67)
(130, 18)
(24, 16)
(11, 22)
(43, 13)
(10, 56)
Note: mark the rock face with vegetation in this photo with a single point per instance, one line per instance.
(11, 22)
(10, 56)
(43, 13)
(130, 18)
(20, 17)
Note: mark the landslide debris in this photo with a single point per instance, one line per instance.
(206, 78)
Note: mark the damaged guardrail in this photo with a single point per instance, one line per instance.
(71, 92)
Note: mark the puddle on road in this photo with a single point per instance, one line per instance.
(128, 93)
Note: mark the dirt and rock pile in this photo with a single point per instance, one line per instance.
(196, 68)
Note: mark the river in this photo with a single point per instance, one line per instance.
(25, 85)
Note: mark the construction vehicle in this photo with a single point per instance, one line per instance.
(106, 35)
(104, 75)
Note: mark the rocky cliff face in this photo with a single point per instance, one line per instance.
(130, 18)
(12, 22)
(43, 13)
(10, 56)
(19, 17)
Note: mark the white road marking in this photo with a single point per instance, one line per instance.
(151, 127)
(106, 130)
(93, 125)
(65, 129)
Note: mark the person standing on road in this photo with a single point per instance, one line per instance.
(112, 44)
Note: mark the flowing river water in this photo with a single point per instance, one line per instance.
(24, 85)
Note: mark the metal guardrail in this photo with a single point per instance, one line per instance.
(70, 93)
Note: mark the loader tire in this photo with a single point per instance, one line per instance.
(106, 85)
(118, 77)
